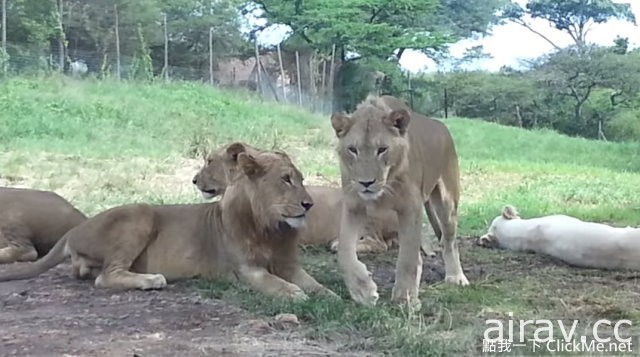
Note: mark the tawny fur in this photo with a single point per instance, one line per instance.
(576, 242)
(323, 220)
(32, 222)
(395, 159)
(250, 234)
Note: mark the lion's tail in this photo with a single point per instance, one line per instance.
(56, 255)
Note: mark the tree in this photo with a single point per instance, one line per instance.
(575, 73)
(189, 24)
(374, 32)
(575, 17)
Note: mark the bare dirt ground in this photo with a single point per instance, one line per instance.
(55, 315)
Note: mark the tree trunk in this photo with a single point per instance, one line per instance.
(578, 113)
(518, 116)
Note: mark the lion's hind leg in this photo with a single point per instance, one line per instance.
(446, 212)
(19, 247)
(84, 267)
(122, 279)
(125, 242)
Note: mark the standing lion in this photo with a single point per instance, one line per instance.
(393, 158)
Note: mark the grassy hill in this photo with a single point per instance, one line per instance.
(102, 144)
(540, 172)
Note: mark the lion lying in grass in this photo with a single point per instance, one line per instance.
(576, 242)
(323, 221)
(32, 221)
(252, 234)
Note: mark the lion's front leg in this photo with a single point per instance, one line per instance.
(309, 284)
(409, 262)
(361, 286)
(269, 284)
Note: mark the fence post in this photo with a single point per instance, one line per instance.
(446, 103)
(211, 56)
(115, 9)
(331, 74)
(284, 90)
(258, 79)
(299, 79)
(4, 26)
(312, 82)
(322, 88)
(3, 54)
(166, 50)
(61, 38)
(410, 89)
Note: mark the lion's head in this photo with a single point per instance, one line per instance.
(492, 239)
(219, 169)
(273, 188)
(372, 145)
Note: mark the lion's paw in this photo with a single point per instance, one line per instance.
(459, 279)
(154, 281)
(362, 289)
(329, 293)
(406, 297)
(295, 293)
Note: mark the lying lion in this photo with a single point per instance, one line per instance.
(252, 234)
(323, 221)
(576, 242)
(32, 221)
(394, 159)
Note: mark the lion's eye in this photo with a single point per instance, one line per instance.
(287, 179)
(382, 150)
(209, 162)
(353, 150)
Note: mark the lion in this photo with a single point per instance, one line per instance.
(32, 222)
(393, 158)
(572, 240)
(251, 234)
(322, 224)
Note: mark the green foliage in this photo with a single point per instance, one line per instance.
(189, 24)
(571, 16)
(89, 30)
(372, 35)
(367, 27)
(573, 90)
(142, 66)
(575, 73)
(496, 97)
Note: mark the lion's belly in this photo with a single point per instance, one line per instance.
(177, 256)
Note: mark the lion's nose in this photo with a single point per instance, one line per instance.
(195, 179)
(307, 205)
(366, 184)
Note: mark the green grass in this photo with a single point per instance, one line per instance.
(102, 144)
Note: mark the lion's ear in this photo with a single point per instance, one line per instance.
(398, 119)
(249, 165)
(234, 149)
(510, 212)
(341, 124)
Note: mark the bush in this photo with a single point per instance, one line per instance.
(624, 126)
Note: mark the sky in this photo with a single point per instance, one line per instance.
(507, 44)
